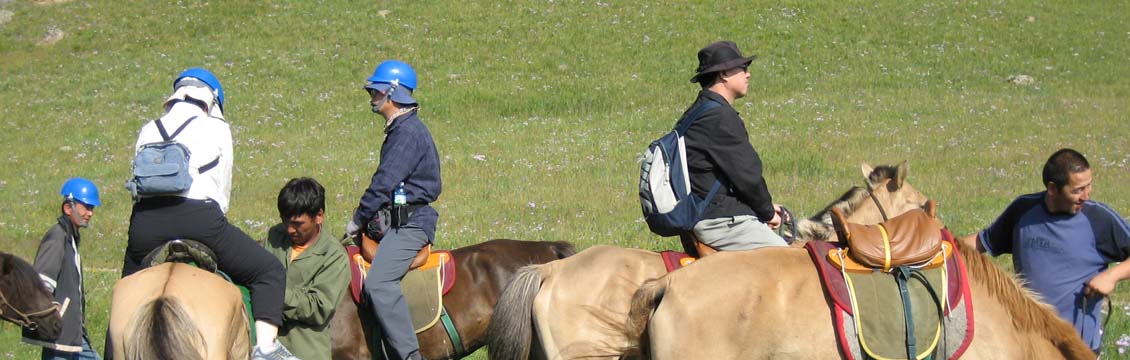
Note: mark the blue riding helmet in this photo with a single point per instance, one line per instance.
(395, 76)
(208, 78)
(82, 190)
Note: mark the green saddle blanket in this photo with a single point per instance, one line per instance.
(880, 314)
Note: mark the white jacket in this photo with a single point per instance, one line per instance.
(207, 139)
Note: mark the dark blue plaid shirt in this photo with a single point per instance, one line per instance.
(408, 155)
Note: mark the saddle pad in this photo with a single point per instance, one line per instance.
(423, 291)
(880, 320)
(675, 260)
(358, 268)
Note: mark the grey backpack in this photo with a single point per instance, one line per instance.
(161, 168)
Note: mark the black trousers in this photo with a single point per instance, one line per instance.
(156, 221)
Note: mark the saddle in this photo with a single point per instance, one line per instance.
(912, 238)
(898, 290)
(183, 251)
(424, 285)
(369, 247)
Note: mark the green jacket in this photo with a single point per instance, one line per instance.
(315, 283)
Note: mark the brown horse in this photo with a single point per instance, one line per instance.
(25, 301)
(779, 311)
(577, 306)
(177, 311)
(481, 272)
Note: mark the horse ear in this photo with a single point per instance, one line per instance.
(867, 169)
(900, 174)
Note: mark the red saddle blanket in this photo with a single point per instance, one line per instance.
(358, 268)
(958, 314)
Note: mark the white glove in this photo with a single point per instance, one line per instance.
(352, 228)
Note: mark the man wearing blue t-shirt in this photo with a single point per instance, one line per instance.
(1062, 243)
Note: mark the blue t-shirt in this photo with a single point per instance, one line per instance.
(1057, 254)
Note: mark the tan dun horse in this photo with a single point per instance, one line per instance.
(576, 307)
(482, 270)
(25, 301)
(177, 311)
(778, 310)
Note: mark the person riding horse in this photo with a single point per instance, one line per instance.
(410, 166)
(196, 111)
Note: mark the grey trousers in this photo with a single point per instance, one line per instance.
(395, 254)
(743, 232)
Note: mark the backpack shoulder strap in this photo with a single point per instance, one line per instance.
(179, 129)
(694, 114)
(161, 128)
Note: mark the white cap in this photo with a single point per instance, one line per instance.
(201, 94)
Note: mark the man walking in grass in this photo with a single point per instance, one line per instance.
(1062, 243)
(59, 265)
(742, 215)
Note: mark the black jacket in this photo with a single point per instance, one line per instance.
(718, 147)
(55, 260)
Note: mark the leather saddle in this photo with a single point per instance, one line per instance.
(182, 251)
(913, 238)
(369, 248)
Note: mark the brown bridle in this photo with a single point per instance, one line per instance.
(24, 319)
(879, 205)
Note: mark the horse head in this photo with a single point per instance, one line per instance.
(25, 301)
(886, 195)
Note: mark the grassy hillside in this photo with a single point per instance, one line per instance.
(541, 108)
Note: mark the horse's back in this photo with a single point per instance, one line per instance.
(769, 296)
(214, 306)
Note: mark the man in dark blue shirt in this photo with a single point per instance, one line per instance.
(1062, 243)
(408, 157)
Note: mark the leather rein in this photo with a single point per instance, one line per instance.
(24, 319)
(879, 205)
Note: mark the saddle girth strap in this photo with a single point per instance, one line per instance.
(903, 274)
(452, 332)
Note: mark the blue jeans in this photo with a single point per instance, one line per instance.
(86, 354)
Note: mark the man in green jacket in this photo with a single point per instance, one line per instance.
(317, 269)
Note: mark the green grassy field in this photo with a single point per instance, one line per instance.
(540, 109)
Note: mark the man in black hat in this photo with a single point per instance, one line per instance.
(742, 215)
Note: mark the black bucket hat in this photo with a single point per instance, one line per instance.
(719, 56)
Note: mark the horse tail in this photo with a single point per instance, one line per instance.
(644, 302)
(164, 330)
(512, 325)
(563, 249)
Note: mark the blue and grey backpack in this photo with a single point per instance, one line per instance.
(669, 207)
(161, 168)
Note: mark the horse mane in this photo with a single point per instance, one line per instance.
(164, 331)
(819, 226)
(1028, 314)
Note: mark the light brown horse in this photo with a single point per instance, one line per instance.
(770, 304)
(177, 311)
(25, 301)
(577, 306)
(481, 272)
